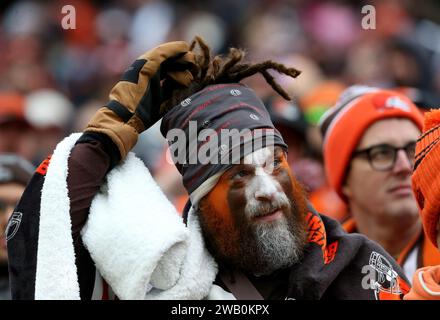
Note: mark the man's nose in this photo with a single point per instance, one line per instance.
(403, 163)
(266, 191)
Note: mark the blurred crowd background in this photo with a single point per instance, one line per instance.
(52, 80)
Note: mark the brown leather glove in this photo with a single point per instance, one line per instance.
(135, 100)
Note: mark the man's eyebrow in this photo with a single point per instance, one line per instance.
(389, 144)
(278, 152)
(242, 166)
(246, 166)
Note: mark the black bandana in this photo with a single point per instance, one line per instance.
(218, 109)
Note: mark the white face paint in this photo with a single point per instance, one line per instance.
(266, 208)
(263, 192)
(268, 228)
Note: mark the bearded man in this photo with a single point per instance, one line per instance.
(266, 241)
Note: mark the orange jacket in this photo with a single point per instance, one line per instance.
(426, 284)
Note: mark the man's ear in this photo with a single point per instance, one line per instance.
(346, 191)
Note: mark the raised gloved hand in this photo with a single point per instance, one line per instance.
(135, 100)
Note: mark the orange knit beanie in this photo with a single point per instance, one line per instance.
(344, 125)
(426, 176)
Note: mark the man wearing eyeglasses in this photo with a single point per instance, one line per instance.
(369, 148)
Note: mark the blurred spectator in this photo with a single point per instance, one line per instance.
(410, 67)
(150, 25)
(365, 63)
(272, 30)
(369, 147)
(409, 64)
(169, 180)
(392, 18)
(332, 28)
(15, 173)
(50, 114)
(208, 26)
(85, 112)
(310, 77)
(150, 146)
(290, 122)
(14, 127)
(112, 26)
(315, 103)
(24, 25)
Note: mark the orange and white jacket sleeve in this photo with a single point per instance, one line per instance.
(426, 284)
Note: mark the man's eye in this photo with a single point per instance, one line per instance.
(275, 164)
(381, 153)
(241, 174)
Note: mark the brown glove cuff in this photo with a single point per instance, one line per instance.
(124, 135)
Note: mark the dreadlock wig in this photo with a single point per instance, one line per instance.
(231, 68)
(217, 101)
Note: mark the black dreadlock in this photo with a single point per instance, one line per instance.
(230, 69)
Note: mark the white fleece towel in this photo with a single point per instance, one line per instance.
(198, 272)
(56, 276)
(134, 235)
